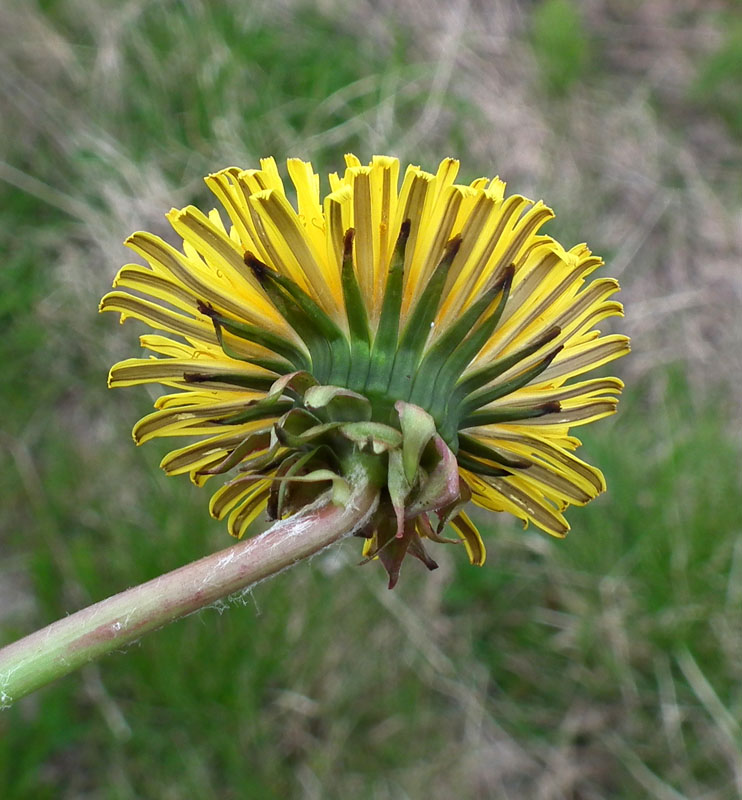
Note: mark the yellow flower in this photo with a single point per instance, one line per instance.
(426, 335)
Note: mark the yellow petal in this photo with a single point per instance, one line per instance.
(292, 253)
(208, 452)
(226, 497)
(158, 317)
(581, 358)
(468, 533)
(172, 371)
(191, 420)
(249, 509)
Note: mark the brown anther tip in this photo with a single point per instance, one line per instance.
(205, 308)
(549, 357)
(348, 243)
(504, 281)
(258, 268)
(453, 246)
(508, 275)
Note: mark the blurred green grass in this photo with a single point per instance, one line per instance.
(604, 666)
(560, 44)
(716, 87)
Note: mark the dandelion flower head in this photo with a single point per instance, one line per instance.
(407, 328)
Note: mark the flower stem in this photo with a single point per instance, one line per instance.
(69, 643)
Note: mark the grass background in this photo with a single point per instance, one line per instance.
(605, 666)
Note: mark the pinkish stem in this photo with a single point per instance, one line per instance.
(69, 643)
